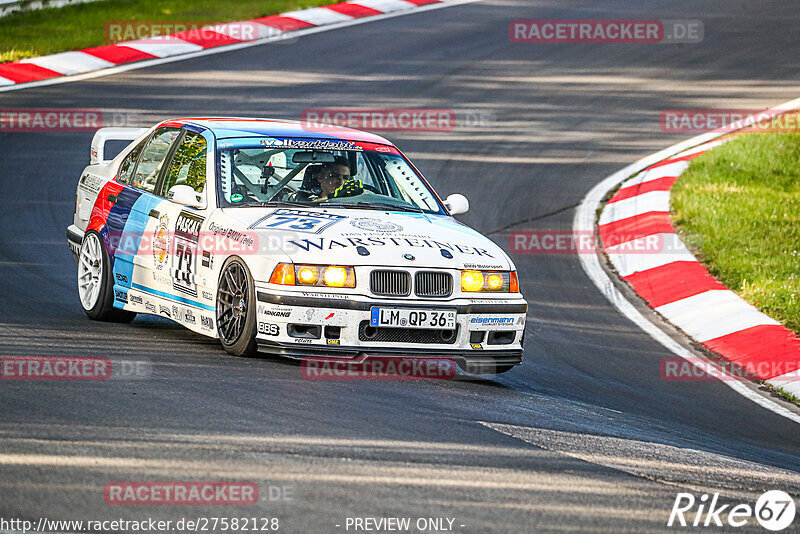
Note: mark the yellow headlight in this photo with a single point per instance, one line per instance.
(471, 280)
(335, 277)
(307, 275)
(494, 282)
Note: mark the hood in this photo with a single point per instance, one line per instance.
(371, 237)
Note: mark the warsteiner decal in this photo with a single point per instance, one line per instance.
(323, 243)
(187, 235)
(289, 220)
(161, 243)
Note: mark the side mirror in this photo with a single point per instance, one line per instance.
(456, 204)
(183, 194)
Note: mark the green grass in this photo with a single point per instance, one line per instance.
(738, 208)
(48, 31)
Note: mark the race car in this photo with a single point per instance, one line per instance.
(290, 238)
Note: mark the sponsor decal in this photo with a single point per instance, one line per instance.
(208, 295)
(324, 243)
(324, 295)
(310, 313)
(409, 257)
(234, 235)
(207, 323)
(120, 296)
(180, 493)
(121, 278)
(376, 225)
(187, 234)
(268, 329)
(161, 243)
(333, 342)
(276, 313)
(330, 315)
(91, 183)
(189, 316)
(176, 313)
(164, 310)
(149, 306)
(135, 299)
(493, 320)
(289, 220)
(161, 278)
(476, 346)
(310, 144)
(492, 267)
(208, 259)
(302, 340)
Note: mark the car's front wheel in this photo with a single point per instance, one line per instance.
(236, 309)
(95, 285)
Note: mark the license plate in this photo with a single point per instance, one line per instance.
(405, 318)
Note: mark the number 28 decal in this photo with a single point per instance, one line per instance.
(287, 220)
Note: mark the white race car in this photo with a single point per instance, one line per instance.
(291, 239)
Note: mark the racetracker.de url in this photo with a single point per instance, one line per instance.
(150, 525)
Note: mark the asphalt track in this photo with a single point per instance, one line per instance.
(584, 436)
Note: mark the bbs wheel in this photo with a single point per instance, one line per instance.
(236, 309)
(95, 286)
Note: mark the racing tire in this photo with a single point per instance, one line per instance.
(95, 284)
(236, 308)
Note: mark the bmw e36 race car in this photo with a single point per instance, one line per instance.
(277, 236)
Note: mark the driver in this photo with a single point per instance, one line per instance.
(332, 176)
(329, 180)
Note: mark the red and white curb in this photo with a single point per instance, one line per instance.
(671, 280)
(110, 58)
(678, 287)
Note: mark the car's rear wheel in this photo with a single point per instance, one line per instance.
(95, 285)
(236, 309)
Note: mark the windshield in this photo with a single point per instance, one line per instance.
(255, 172)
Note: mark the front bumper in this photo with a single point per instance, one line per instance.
(487, 339)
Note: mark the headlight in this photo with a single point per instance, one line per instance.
(287, 274)
(496, 281)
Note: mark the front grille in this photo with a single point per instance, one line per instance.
(433, 284)
(390, 283)
(383, 334)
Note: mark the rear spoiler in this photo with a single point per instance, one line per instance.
(103, 135)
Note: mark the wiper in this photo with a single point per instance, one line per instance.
(276, 204)
(375, 206)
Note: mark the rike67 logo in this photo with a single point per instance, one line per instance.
(774, 510)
